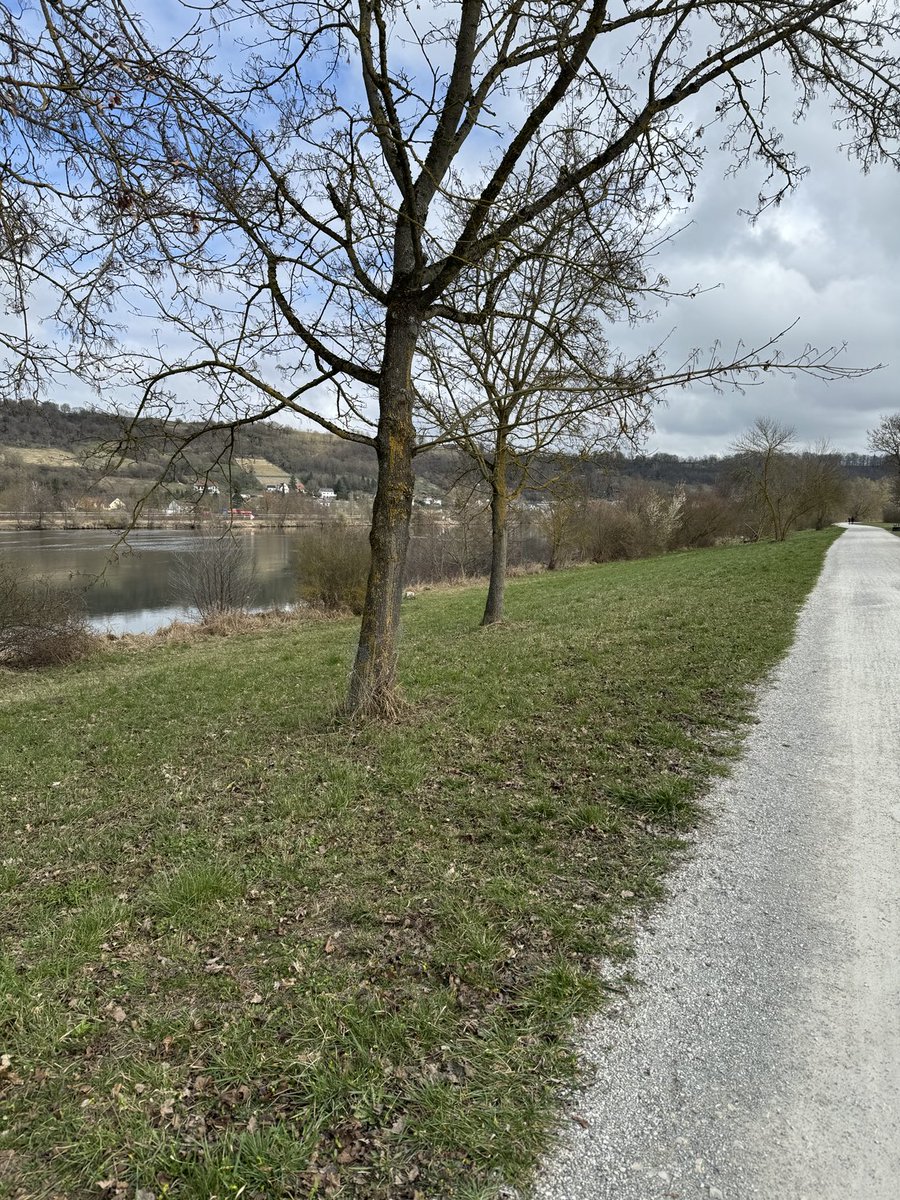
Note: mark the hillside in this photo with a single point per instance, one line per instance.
(49, 440)
(67, 450)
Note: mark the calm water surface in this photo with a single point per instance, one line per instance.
(133, 588)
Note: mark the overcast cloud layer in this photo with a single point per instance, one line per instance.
(829, 258)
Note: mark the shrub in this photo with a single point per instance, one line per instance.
(216, 578)
(562, 526)
(708, 518)
(618, 533)
(334, 567)
(40, 625)
(869, 500)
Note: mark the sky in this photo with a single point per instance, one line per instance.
(826, 262)
(828, 258)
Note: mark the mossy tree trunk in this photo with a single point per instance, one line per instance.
(493, 609)
(373, 683)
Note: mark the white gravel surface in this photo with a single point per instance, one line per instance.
(759, 1059)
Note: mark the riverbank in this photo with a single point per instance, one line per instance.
(252, 950)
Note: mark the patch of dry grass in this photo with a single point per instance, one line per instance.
(43, 456)
(222, 625)
(265, 471)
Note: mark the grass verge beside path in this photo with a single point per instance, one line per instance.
(250, 951)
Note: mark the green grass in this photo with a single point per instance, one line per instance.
(250, 950)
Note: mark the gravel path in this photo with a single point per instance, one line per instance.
(760, 1058)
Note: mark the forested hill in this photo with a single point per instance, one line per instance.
(317, 459)
(314, 458)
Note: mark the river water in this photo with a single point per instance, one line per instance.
(134, 588)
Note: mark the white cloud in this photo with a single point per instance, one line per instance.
(828, 258)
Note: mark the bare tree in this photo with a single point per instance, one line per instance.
(276, 196)
(562, 519)
(867, 499)
(532, 381)
(524, 379)
(885, 439)
(824, 481)
(763, 473)
(779, 486)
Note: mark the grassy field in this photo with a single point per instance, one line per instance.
(250, 950)
(265, 471)
(88, 456)
(43, 456)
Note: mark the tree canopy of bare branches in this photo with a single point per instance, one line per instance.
(260, 207)
(780, 487)
(885, 439)
(534, 379)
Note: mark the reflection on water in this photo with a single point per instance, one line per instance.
(132, 588)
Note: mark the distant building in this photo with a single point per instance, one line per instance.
(116, 505)
(326, 495)
(433, 502)
(208, 489)
(174, 509)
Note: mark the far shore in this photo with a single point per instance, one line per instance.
(119, 522)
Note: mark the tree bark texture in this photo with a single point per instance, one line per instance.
(373, 682)
(493, 609)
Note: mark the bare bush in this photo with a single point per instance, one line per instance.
(636, 526)
(708, 518)
(616, 533)
(216, 578)
(885, 439)
(649, 520)
(333, 568)
(869, 500)
(40, 625)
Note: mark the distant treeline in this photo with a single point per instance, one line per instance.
(319, 459)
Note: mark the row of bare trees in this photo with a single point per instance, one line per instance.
(310, 207)
(782, 487)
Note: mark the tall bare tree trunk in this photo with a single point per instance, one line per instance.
(493, 609)
(373, 682)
